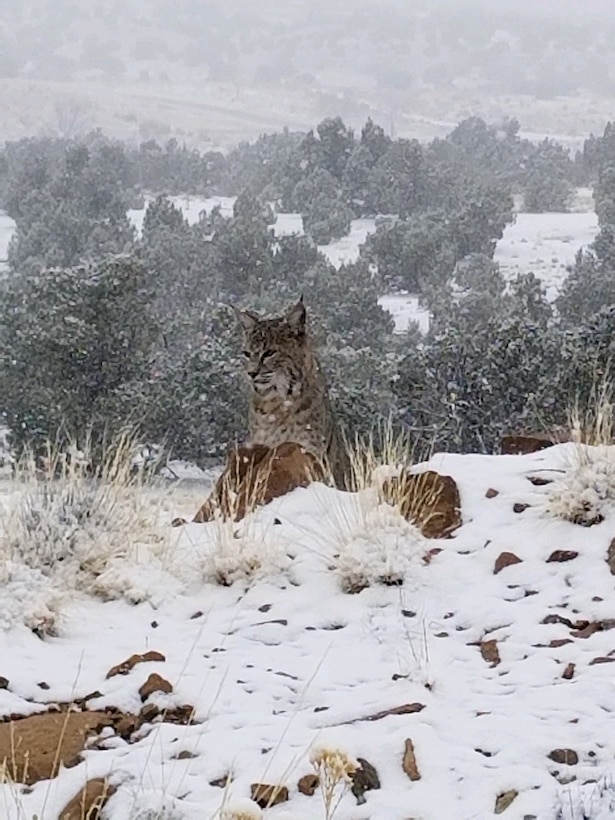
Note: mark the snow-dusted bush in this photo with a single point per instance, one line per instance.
(240, 552)
(587, 489)
(66, 523)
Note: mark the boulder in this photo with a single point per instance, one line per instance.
(33, 748)
(255, 475)
(428, 500)
(522, 443)
(89, 802)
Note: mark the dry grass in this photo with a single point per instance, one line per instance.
(593, 422)
(334, 769)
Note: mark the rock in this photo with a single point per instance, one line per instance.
(266, 796)
(518, 507)
(409, 762)
(125, 667)
(491, 493)
(504, 800)
(601, 659)
(149, 712)
(610, 557)
(559, 556)
(33, 748)
(364, 779)
(428, 500)
(4, 683)
(308, 784)
(221, 782)
(185, 755)
(89, 802)
(566, 757)
(539, 481)
(254, 476)
(405, 709)
(155, 683)
(568, 672)
(523, 443)
(505, 559)
(489, 651)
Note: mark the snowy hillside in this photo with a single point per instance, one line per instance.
(494, 657)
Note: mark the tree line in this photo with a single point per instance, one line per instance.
(100, 326)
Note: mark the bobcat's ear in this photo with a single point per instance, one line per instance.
(246, 318)
(296, 316)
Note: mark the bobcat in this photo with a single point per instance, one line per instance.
(288, 394)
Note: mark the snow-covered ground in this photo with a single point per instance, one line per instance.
(7, 228)
(288, 661)
(191, 206)
(545, 244)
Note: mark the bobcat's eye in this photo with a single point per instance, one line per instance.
(268, 354)
(246, 353)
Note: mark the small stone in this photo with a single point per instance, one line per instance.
(308, 784)
(505, 559)
(197, 614)
(4, 683)
(149, 712)
(184, 755)
(43, 685)
(89, 802)
(155, 683)
(489, 651)
(518, 507)
(364, 779)
(221, 782)
(566, 757)
(568, 672)
(409, 764)
(265, 795)
(601, 659)
(559, 556)
(265, 607)
(610, 557)
(125, 667)
(539, 481)
(491, 493)
(555, 644)
(504, 800)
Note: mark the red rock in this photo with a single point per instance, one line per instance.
(155, 683)
(255, 475)
(568, 672)
(490, 652)
(308, 784)
(522, 443)
(505, 559)
(266, 796)
(125, 667)
(560, 556)
(428, 500)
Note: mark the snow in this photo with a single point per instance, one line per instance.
(545, 244)
(7, 228)
(405, 310)
(190, 206)
(346, 249)
(284, 661)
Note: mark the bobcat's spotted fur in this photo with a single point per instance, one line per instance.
(288, 394)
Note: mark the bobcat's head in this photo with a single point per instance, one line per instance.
(275, 350)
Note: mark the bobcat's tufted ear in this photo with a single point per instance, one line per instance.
(246, 318)
(296, 316)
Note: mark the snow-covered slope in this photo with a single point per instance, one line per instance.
(284, 660)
